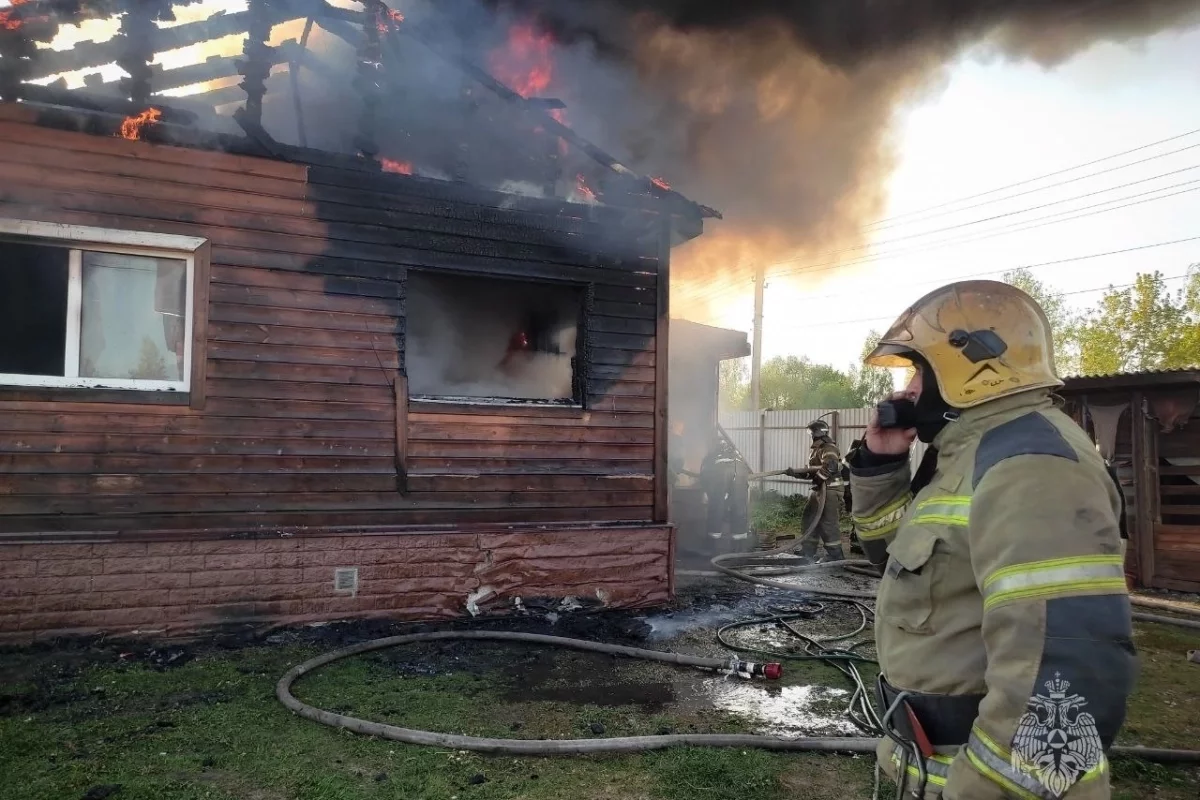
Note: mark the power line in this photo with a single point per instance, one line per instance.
(950, 280)
(1028, 181)
(1021, 227)
(1017, 212)
(711, 292)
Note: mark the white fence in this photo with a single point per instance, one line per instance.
(771, 440)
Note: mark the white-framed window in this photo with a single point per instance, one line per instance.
(96, 308)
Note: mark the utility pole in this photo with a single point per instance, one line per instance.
(760, 279)
(760, 275)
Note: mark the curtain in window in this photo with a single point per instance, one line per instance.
(133, 320)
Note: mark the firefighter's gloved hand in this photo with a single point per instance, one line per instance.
(798, 472)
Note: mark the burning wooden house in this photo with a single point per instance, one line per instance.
(282, 348)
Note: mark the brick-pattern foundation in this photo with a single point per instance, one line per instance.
(166, 587)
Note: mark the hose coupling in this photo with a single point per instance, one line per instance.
(749, 670)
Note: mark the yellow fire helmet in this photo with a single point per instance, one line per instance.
(983, 339)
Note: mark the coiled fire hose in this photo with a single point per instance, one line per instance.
(623, 744)
(861, 711)
(784, 561)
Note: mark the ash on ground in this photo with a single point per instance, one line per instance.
(808, 701)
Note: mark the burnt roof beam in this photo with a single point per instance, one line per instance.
(92, 55)
(537, 112)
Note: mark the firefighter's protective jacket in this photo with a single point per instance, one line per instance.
(1004, 593)
(825, 457)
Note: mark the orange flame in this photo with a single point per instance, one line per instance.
(393, 20)
(661, 183)
(582, 187)
(131, 127)
(8, 19)
(526, 63)
(396, 167)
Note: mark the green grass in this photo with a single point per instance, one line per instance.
(212, 729)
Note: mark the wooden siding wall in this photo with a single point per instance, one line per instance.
(1123, 462)
(1177, 534)
(304, 345)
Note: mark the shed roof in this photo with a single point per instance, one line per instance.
(1150, 379)
(693, 338)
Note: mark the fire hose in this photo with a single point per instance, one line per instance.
(784, 561)
(846, 660)
(622, 744)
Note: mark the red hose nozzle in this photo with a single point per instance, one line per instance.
(773, 671)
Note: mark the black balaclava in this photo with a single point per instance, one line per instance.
(933, 412)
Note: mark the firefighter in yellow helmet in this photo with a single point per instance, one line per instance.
(1003, 619)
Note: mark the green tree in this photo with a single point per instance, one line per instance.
(871, 384)
(1142, 327)
(794, 382)
(1062, 321)
(733, 381)
(151, 365)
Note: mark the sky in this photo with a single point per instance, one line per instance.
(996, 123)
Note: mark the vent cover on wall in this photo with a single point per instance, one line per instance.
(345, 579)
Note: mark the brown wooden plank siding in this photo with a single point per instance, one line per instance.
(162, 587)
(304, 340)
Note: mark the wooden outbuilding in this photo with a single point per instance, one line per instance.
(696, 356)
(1148, 426)
(244, 380)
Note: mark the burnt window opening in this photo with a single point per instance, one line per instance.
(489, 339)
(93, 317)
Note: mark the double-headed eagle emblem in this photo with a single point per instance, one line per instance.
(1056, 740)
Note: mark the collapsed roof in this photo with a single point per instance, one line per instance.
(314, 81)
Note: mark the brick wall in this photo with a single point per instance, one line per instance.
(166, 587)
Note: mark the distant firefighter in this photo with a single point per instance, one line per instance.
(824, 465)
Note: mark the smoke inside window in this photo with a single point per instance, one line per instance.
(484, 338)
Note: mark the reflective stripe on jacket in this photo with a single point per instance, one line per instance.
(1004, 577)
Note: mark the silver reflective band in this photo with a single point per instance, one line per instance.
(993, 762)
(1062, 574)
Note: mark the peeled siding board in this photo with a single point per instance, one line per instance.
(305, 337)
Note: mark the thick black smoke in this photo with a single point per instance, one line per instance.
(778, 112)
(846, 33)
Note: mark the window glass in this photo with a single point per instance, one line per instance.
(133, 317)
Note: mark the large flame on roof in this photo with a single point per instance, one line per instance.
(526, 62)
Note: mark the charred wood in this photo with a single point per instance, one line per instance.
(104, 104)
(257, 133)
(136, 46)
(256, 67)
(367, 81)
(17, 58)
(96, 54)
(294, 78)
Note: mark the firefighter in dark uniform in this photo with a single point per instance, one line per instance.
(824, 465)
(717, 477)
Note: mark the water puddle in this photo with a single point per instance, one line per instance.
(786, 711)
